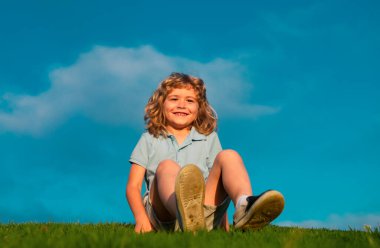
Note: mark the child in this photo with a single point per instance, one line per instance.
(189, 179)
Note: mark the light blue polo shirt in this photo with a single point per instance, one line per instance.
(197, 149)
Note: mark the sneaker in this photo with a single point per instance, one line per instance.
(259, 210)
(190, 195)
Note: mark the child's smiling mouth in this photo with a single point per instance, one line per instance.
(180, 114)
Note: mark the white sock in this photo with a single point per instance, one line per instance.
(241, 200)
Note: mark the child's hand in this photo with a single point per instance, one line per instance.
(143, 226)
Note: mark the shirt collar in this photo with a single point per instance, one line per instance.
(194, 135)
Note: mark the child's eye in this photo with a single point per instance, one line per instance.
(190, 100)
(173, 99)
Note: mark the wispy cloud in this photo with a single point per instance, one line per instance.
(112, 85)
(334, 221)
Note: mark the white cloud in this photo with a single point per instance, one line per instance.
(334, 221)
(112, 86)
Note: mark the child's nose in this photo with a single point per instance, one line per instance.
(181, 104)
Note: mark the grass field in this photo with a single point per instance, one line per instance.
(120, 235)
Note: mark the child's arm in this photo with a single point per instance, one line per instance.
(135, 180)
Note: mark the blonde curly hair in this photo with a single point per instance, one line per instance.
(206, 121)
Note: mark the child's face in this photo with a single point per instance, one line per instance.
(180, 108)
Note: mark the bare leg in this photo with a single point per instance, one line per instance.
(228, 176)
(162, 192)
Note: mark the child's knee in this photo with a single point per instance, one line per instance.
(167, 165)
(227, 154)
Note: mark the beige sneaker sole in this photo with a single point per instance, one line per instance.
(190, 195)
(267, 208)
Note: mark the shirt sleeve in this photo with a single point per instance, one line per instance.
(140, 152)
(214, 147)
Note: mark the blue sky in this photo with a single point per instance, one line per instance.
(295, 85)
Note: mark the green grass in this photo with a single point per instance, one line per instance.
(119, 235)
